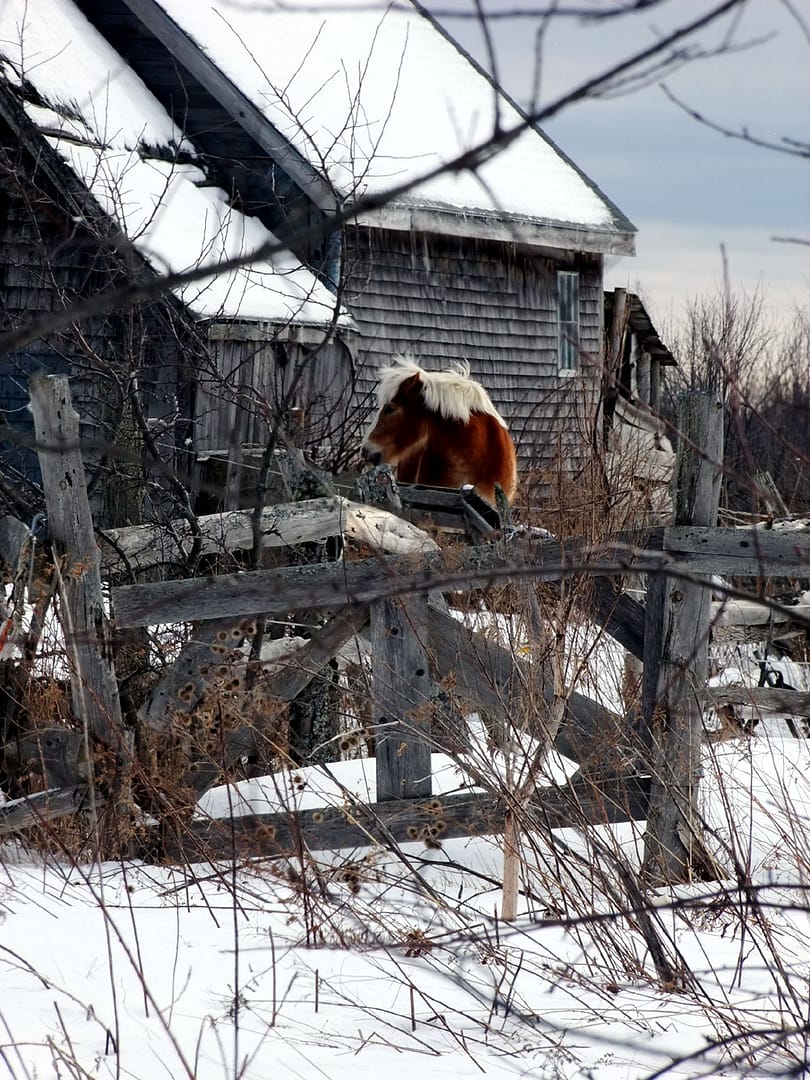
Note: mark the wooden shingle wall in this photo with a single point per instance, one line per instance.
(255, 382)
(48, 260)
(493, 305)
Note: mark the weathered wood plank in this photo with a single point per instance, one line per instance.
(740, 552)
(428, 822)
(14, 536)
(401, 692)
(337, 584)
(612, 800)
(144, 547)
(738, 612)
(770, 699)
(490, 677)
(45, 806)
(678, 632)
(93, 686)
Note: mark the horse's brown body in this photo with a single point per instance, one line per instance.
(425, 447)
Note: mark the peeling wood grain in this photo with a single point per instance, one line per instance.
(144, 547)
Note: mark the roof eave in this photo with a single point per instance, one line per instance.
(481, 225)
(244, 329)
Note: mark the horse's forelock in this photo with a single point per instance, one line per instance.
(452, 393)
(392, 377)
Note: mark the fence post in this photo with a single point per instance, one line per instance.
(93, 686)
(676, 658)
(401, 693)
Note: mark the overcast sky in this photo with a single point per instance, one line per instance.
(689, 190)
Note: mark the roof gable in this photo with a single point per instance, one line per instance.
(375, 96)
(101, 119)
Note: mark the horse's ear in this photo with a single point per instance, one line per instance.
(410, 389)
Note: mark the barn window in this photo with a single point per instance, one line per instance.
(568, 320)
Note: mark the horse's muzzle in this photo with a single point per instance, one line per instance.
(371, 454)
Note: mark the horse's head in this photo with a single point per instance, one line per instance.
(400, 427)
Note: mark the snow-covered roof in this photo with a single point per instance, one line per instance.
(121, 143)
(374, 95)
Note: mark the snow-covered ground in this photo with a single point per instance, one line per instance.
(372, 960)
(368, 961)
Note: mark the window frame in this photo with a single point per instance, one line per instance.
(568, 322)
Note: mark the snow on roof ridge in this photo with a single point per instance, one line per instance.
(353, 90)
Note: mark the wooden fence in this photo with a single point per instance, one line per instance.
(416, 643)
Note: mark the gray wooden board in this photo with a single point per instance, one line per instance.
(334, 585)
(740, 552)
(401, 694)
(93, 685)
(331, 585)
(767, 699)
(429, 821)
(490, 677)
(677, 667)
(44, 806)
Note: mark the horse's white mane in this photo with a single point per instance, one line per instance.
(452, 393)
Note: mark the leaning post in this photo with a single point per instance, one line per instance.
(93, 686)
(677, 626)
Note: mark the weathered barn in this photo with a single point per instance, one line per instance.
(198, 135)
(303, 109)
(100, 187)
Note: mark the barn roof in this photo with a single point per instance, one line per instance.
(88, 104)
(357, 99)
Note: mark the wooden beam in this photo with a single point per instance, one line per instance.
(45, 806)
(144, 547)
(401, 693)
(768, 699)
(93, 686)
(426, 822)
(740, 552)
(491, 226)
(739, 612)
(429, 821)
(676, 659)
(490, 677)
(14, 536)
(334, 585)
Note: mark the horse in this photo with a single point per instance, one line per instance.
(440, 428)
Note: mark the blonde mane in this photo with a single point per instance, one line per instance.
(452, 393)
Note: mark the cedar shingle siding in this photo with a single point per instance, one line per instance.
(447, 298)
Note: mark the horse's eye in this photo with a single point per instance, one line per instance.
(388, 409)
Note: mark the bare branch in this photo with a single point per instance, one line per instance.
(785, 145)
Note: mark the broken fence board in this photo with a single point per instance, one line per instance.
(491, 677)
(767, 699)
(93, 686)
(43, 807)
(401, 692)
(676, 657)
